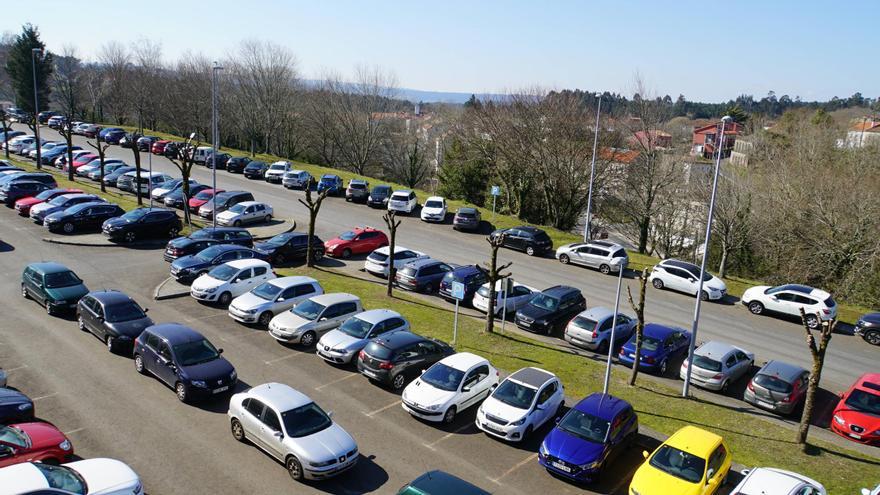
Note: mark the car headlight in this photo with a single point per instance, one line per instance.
(839, 420)
(65, 445)
(590, 465)
(542, 450)
(198, 383)
(322, 464)
(248, 311)
(211, 290)
(521, 421)
(233, 375)
(24, 407)
(433, 407)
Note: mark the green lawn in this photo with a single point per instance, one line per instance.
(754, 441)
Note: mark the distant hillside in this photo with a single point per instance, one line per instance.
(416, 95)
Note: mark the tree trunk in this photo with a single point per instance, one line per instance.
(817, 351)
(137, 176)
(644, 227)
(392, 238)
(493, 277)
(310, 254)
(639, 310)
(722, 265)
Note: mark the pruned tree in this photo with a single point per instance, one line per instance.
(67, 86)
(392, 223)
(817, 352)
(101, 147)
(314, 206)
(137, 170)
(494, 274)
(639, 310)
(184, 160)
(4, 119)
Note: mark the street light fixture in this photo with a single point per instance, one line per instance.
(611, 345)
(690, 359)
(36, 52)
(588, 219)
(214, 139)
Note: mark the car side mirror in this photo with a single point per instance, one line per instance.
(710, 474)
(100, 318)
(278, 435)
(745, 472)
(323, 318)
(465, 389)
(146, 310)
(645, 454)
(220, 351)
(329, 414)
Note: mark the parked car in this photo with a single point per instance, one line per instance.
(177, 199)
(297, 179)
(377, 262)
(158, 147)
(275, 173)
(23, 206)
(159, 193)
(716, 365)
(4, 376)
(867, 327)
(532, 240)
(272, 297)
(45, 148)
(332, 184)
(201, 153)
(246, 212)
(422, 275)
(607, 257)
(129, 140)
(44, 116)
(396, 358)
(255, 170)
(142, 223)
(551, 309)
(290, 427)
(342, 345)
(204, 238)
(519, 296)
(857, 415)
(95, 165)
(33, 442)
(440, 483)
(467, 219)
(202, 197)
(14, 191)
(113, 317)
(50, 156)
(660, 344)
(589, 438)
(469, 275)
(91, 476)
(358, 190)
(106, 130)
(91, 130)
(230, 280)
(289, 246)
(184, 360)
(591, 329)
(221, 159)
(145, 143)
(82, 217)
(789, 299)
(187, 268)
(434, 210)
(777, 386)
(772, 481)
(236, 165)
(113, 137)
(682, 276)
(449, 387)
(45, 178)
(112, 178)
(315, 316)
(148, 182)
(39, 212)
(223, 201)
(173, 149)
(15, 407)
(357, 241)
(53, 285)
(61, 162)
(379, 196)
(84, 159)
(403, 201)
(692, 460)
(521, 404)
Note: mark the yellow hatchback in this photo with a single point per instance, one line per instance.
(690, 462)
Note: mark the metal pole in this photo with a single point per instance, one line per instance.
(34, 53)
(504, 310)
(493, 207)
(613, 329)
(150, 165)
(455, 323)
(687, 378)
(587, 221)
(214, 138)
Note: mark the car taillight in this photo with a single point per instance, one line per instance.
(362, 355)
(826, 311)
(787, 398)
(622, 352)
(751, 387)
(717, 376)
(386, 365)
(595, 334)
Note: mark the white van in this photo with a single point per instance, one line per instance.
(201, 153)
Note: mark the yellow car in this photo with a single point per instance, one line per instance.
(690, 462)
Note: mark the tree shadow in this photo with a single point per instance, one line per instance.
(815, 450)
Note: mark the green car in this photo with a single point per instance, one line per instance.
(440, 483)
(53, 285)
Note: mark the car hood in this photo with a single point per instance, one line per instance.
(189, 261)
(335, 243)
(28, 201)
(206, 282)
(650, 480)
(9, 396)
(264, 247)
(533, 312)
(227, 215)
(424, 394)
(131, 328)
(105, 475)
(564, 248)
(54, 216)
(432, 211)
(41, 207)
(572, 449)
(330, 443)
(716, 283)
(869, 422)
(753, 292)
(336, 339)
(116, 222)
(290, 321)
(248, 300)
(42, 435)
(179, 242)
(65, 293)
(504, 411)
(217, 368)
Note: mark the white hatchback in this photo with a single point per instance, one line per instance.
(245, 212)
(403, 201)
(789, 299)
(377, 262)
(771, 481)
(450, 386)
(434, 209)
(519, 296)
(87, 477)
(521, 404)
(230, 280)
(684, 277)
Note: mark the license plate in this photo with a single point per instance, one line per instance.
(766, 404)
(490, 428)
(370, 374)
(221, 389)
(857, 437)
(525, 324)
(561, 467)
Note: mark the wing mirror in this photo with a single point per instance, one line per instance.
(146, 310)
(709, 474)
(645, 454)
(220, 351)
(329, 414)
(278, 435)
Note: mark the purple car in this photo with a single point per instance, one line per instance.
(660, 345)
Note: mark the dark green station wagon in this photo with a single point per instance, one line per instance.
(53, 285)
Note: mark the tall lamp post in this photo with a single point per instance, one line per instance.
(214, 138)
(587, 220)
(690, 359)
(36, 52)
(613, 330)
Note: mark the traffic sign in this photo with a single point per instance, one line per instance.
(458, 290)
(496, 190)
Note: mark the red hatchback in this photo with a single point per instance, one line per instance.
(201, 198)
(857, 415)
(33, 442)
(23, 205)
(357, 241)
(159, 146)
(82, 160)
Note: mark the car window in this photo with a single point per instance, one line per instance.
(785, 296)
(740, 356)
(270, 419)
(152, 341)
(232, 255)
(392, 324)
(163, 350)
(347, 307)
(243, 275)
(606, 325)
(519, 290)
(477, 374)
(288, 293)
(408, 353)
(301, 290)
(259, 271)
(254, 407)
(731, 361)
(546, 393)
(245, 254)
(717, 458)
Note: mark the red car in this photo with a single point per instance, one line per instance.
(158, 147)
(357, 241)
(201, 198)
(857, 415)
(23, 205)
(33, 442)
(82, 160)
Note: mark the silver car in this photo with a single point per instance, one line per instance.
(591, 329)
(777, 386)
(272, 297)
(290, 427)
(299, 179)
(717, 365)
(245, 212)
(315, 316)
(342, 345)
(608, 257)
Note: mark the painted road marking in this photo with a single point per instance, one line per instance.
(44, 396)
(71, 432)
(449, 435)
(271, 361)
(514, 468)
(349, 376)
(377, 411)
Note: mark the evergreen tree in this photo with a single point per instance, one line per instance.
(463, 176)
(21, 72)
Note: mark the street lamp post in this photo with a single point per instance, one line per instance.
(36, 52)
(588, 218)
(214, 139)
(613, 330)
(690, 358)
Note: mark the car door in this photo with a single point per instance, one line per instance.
(518, 297)
(714, 467)
(544, 406)
(808, 304)
(742, 364)
(411, 360)
(782, 302)
(677, 279)
(37, 286)
(164, 367)
(604, 330)
(512, 239)
(252, 421)
(623, 329)
(241, 282)
(98, 317)
(87, 313)
(271, 433)
(260, 275)
(475, 386)
(328, 318)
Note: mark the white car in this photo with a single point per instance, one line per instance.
(450, 386)
(275, 172)
(315, 316)
(273, 297)
(771, 481)
(342, 345)
(521, 404)
(519, 296)
(17, 143)
(434, 209)
(684, 277)
(87, 477)
(377, 262)
(230, 280)
(299, 179)
(245, 212)
(789, 299)
(607, 257)
(403, 201)
(290, 427)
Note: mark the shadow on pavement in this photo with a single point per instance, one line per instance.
(219, 403)
(6, 247)
(366, 476)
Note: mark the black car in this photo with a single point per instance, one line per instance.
(288, 246)
(15, 407)
(397, 358)
(111, 178)
(379, 196)
(142, 223)
(551, 309)
(222, 159)
(204, 238)
(171, 150)
(43, 177)
(145, 143)
(113, 317)
(255, 170)
(82, 217)
(532, 240)
(188, 268)
(868, 327)
(174, 199)
(13, 191)
(472, 277)
(237, 164)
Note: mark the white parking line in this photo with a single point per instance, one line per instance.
(44, 396)
(448, 435)
(271, 361)
(350, 375)
(71, 432)
(241, 336)
(9, 370)
(197, 318)
(514, 468)
(377, 411)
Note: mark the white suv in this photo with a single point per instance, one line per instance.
(608, 257)
(789, 299)
(684, 277)
(403, 201)
(230, 280)
(275, 172)
(521, 404)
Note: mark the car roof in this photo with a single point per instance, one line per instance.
(285, 282)
(397, 249)
(402, 192)
(528, 228)
(805, 289)
(175, 333)
(49, 267)
(463, 360)
(110, 296)
(694, 440)
(782, 370)
(224, 229)
(329, 176)
(598, 313)
(280, 396)
(374, 316)
(611, 246)
(657, 330)
(77, 195)
(768, 480)
(357, 181)
(559, 290)
(334, 297)
(221, 248)
(396, 340)
(869, 382)
(250, 203)
(715, 349)
(420, 263)
(680, 264)
(533, 377)
(246, 263)
(605, 406)
(465, 270)
(441, 483)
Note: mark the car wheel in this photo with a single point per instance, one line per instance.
(429, 288)
(605, 269)
(346, 253)
(80, 323)
(564, 259)
(267, 219)
(294, 468)
(872, 337)
(756, 308)
(308, 339)
(237, 430)
(449, 417)
(812, 322)
(317, 255)
(24, 292)
(663, 368)
(173, 232)
(265, 318)
(704, 296)
(603, 348)
(657, 283)
(725, 386)
(67, 228)
(129, 237)
(139, 364)
(398, 382)
(236, 223)
(224, 299)
(181, 391)
(111, 344)
(279, 259)
(530, 251)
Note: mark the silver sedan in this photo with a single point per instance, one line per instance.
(273, 297)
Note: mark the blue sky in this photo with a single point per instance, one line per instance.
(704, 50)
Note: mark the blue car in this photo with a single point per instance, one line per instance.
(331, 183)
(589, 437)
(113, 137)
(188, 268)
(48, 157)
(15, 407)
(659, 346)
(472, 277)
(103, 133)
(185, 360)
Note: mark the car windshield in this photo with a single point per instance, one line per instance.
(515, 394)
(443, 377)
(204, 195)
(238, 208)
(62, 478)
(773, 383)
(223, 272)
(210, 253)
(865, 402)
(46, 194)
(381, 191)
(196, 352)
(348, 236)
(356, 327)
(544, 301)
(123, 312)
(58, 200)
(278, 166)
(679, 463)
(135, 215)
(707, 363)
(584, 426)
(308, 310)
(266, 291)
(13, 436)
(61, 279)
(433, 204)
(279, 240)
(305, 420)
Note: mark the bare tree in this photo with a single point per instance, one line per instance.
(144, 86)
(184, 160)
(137, 170)
(4, 119)
(116, 62)
(817, 352)
(407, 158)
(732, 223)
(187, 96)
(314, 207)
(639, 310)
(392, 223)
(101, 148)
(68, 88)
(494, 274)
(95, 86)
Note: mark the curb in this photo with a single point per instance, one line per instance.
(159, 297)
(264, 237)
(65, 242)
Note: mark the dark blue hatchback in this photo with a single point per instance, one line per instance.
(188, 268)
(659, 345)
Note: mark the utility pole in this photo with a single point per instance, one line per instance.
(588, 219)
(214, 139)
(36, 52)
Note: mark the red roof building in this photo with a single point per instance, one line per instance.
(706, 139)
